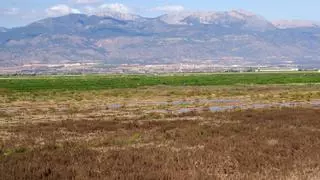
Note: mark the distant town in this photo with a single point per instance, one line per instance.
(96, 68)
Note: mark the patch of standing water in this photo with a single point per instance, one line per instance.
(185, 110)
(315, 103)
(206, 101)
(161, 111)
(115, 106)
(222, 108)
(261, 106)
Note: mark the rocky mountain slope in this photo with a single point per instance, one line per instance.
(2, 29)
(225, 37)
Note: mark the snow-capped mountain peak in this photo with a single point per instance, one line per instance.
(222, 18)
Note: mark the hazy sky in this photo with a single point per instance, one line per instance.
(21, 12)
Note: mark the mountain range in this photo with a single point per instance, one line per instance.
(228, 38)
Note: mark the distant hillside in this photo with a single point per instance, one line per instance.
(286, 24)
(233, 37)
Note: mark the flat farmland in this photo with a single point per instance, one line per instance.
(96, 82)
(202, 126)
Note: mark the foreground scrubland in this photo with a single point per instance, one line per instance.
(236, 131)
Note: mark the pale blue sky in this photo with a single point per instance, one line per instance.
(21, 12)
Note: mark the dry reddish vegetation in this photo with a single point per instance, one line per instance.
(252, 144)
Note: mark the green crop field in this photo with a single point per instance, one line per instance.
(96, 82)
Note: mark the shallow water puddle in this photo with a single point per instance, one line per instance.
(222, 105)
(253, 106)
